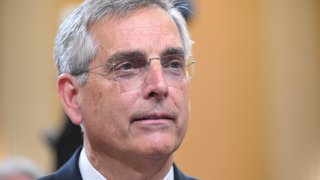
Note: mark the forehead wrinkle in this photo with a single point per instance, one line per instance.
(134, 28)
(130, 44)
(130, 32)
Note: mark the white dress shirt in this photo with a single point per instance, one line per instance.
(88, 172)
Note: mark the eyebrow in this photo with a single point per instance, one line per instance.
(125, 54)
(139, 53)
(172, 51)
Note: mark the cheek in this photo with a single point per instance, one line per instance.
(95, 96)
(103, 112)
(180, 97)
(110, 106)
(96, 102)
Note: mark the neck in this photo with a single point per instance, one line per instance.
(128, 166)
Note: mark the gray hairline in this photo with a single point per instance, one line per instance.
(86, 47)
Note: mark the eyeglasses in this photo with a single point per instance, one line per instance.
(131, 71)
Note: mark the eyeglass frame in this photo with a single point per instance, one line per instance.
(191, 62)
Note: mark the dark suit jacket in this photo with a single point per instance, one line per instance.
(71, 171)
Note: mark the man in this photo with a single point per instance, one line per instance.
(124, 70)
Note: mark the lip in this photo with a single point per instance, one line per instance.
(154, 117)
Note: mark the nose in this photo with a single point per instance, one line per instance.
(155, 85)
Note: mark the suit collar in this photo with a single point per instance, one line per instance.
(71, 170)
(178, 175)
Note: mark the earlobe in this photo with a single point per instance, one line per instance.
(68, 88)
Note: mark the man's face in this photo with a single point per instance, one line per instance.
(150, 120)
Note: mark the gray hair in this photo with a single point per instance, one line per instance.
(75, 47)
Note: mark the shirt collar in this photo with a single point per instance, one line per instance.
(89, 172)
(170, 175)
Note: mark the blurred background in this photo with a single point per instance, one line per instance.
(255, 97)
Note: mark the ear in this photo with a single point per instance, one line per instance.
(68, 90)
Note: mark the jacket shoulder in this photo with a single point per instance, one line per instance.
(179, 175)
(69, 171)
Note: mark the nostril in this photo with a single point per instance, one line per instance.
(166, 94)
(159, 95)
(152, 94)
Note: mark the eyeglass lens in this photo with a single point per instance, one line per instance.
(131, 71)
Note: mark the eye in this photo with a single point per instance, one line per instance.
(124, 66)
(125, 63)
(173, 62)
(128, 63)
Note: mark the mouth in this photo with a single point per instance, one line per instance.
(156, 117)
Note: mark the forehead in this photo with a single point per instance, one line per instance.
(148, 29)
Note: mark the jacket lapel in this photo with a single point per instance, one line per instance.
(71, 169)
(178, 175)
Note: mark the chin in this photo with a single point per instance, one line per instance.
(160, 148)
